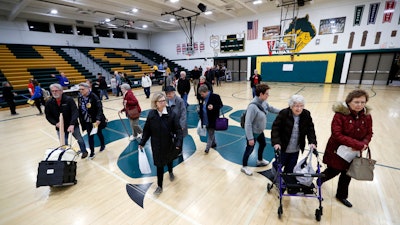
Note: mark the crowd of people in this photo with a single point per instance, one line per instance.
(166, 122)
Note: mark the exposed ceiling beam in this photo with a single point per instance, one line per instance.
(17, 9)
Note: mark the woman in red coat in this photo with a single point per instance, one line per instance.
(130, 102)
(351, 126)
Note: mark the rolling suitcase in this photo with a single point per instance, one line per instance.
(58, 168)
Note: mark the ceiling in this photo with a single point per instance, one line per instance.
(154, 13)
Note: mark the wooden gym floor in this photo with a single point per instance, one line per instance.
(208, 189)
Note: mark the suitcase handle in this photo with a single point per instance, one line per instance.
(59, 157)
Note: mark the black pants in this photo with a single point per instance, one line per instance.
(249, 149)
(11, 104)
(160, 173)
(38, 103)
(343, 184)
(89, 127)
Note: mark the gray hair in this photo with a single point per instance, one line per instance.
(58, 86)
(155, 98)
(83, 84)
(203, 88)
(183, 73)
(202, 77)
(296, 99)
(126, 86)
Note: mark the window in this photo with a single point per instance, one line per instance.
(102, 33)
(132, 35)
(118, 34)
(85, 31)
(38, 26)
(63, 29)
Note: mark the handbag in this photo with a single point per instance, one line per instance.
(144, 165)
(305, 167)
(362, 168)
(133, 113)
(221, 123)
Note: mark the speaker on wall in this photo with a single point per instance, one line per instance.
(96, 40)
(202, 7)
(300, 2)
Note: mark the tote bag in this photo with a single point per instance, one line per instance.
(304, 166)
(144, 165)
(362, 168)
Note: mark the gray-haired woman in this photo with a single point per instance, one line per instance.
(289, 132)
(130, 102)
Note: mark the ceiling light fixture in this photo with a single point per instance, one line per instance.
(256, 2)
(54, 11)
(171, 19)
(173, 1)
(208, 12)
(144, 26)
(107, 20)
(135, 10)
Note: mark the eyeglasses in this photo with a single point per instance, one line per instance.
(358, 103)
(161, 100)
(55, 90)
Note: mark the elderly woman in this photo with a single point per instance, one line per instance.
(162, 126)
(203, 81)
(91, 116)
(289, 132)
(130, 103)
(351, 126)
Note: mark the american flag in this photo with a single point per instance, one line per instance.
(252, 30)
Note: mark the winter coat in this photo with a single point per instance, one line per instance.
(162, 131)
(183, 86)
(348, 128)
(213, 114)
(131, 101)
(67, 108)
(95, 111)
(179, 108)
(283, 126)
(252, 84)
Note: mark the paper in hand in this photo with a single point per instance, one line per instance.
(346, 153)
(94, 130)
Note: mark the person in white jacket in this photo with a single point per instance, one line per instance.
(146, 84)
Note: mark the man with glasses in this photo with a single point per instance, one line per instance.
(61, 103)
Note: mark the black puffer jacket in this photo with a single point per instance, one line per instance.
(283, 126)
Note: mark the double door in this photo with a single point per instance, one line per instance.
(372, 68)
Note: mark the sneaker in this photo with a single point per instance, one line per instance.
(39, 114)
(131, 138)
(262, 162)
(92, 156)
(206, 151)
(246, 171)
(84, 155)
(171, 177)
(158, 191)
(102, 148)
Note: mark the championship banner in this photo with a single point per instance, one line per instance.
(201, 46)
(184, 48)
(270, 45)
(358, 15)
(196, 46)
(388, 12)
(178, 49)
(373, 11)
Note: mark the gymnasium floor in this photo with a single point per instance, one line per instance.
(208, 189)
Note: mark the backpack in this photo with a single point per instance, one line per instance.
(243, 116)
(45, 94)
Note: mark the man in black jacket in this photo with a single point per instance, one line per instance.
(8, 96)
(210, 106)
(184, 87)
(60, 103)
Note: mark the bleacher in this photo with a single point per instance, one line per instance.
(154, 56)
(118, 60)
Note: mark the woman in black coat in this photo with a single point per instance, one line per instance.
(162, 125)
(8, 96)
(91, 115)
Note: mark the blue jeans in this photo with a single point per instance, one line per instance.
(288, 161)
(77, 135)
(185, 98)
(253, 91)
(103, 92)
(249, 149)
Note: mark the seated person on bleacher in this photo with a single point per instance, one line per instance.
(62, 80)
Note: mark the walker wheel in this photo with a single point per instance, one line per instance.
(269, 187)
(280, 211)
(318, 214)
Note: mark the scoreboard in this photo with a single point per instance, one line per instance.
(232, 43)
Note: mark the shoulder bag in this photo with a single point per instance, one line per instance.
(221, 123)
